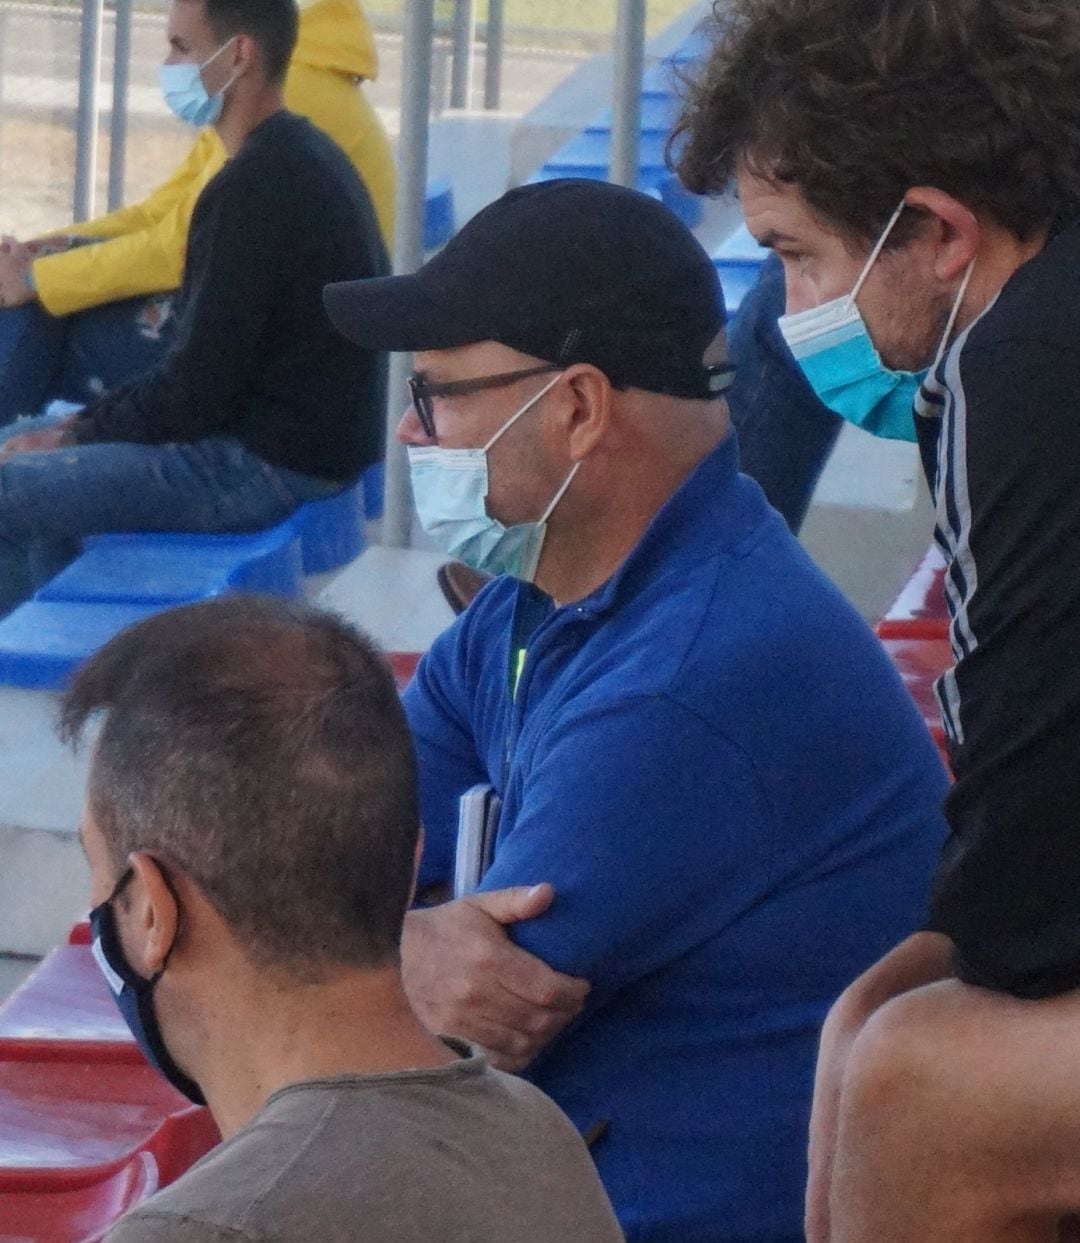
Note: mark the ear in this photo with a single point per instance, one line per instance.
(585, 416)
(153, 917)
(245, 54)
(956, 230)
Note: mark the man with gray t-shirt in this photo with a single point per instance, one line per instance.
(252, 829)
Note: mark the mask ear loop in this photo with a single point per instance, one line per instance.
(524, 409)
(561, 492)
(952, 316)
(878, 248)
(211, 61)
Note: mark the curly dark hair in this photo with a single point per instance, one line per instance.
(855, 101)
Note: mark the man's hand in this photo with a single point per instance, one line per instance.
(15, 261)
(56, 437)
(467, 978)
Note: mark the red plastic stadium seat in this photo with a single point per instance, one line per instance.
(87, 1127)
(65, 1009)
(59, 1115)
(79, 1209)
(919, 611)
(403, 665)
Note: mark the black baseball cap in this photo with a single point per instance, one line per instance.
(568, 271)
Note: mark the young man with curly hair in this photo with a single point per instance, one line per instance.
(916, 166)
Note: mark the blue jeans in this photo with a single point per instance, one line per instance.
(50, 500)
(78, 357)
(785, 433)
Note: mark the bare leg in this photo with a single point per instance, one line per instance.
(959, 1121)
(921, 959)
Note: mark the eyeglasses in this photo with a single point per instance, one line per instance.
(423, 392)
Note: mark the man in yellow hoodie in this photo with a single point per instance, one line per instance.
(81, 319)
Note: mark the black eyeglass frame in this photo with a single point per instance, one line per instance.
(423, 392)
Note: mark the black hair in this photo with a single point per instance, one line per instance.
(260, 746)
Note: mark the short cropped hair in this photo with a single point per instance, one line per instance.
(260, 746)
(856, 101)
(271, 23)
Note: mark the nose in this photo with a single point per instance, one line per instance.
(410, 431)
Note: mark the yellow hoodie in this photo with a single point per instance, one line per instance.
(143, 250)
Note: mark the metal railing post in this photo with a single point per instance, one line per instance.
(418, 36)
(493, 54)
(461, 77)
(626, 105)
(87, 121)
(118, 121)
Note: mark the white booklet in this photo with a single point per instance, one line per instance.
(478, 822)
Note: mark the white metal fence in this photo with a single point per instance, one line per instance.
(65, 152)
(46, 69)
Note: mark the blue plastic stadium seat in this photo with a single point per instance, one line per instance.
(589, 155)
(659, 110)
(332, 530)
(438, 213)
(119, 579)
(168, 569)
(43, 641)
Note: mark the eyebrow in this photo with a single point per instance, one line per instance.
(773, 236)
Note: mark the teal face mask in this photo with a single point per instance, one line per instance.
(450, 488)
(186, 95)
(835, 352)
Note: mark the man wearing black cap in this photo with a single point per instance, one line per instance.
(718, 803)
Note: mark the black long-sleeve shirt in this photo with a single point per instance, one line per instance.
(256, 356)
(1001, 442)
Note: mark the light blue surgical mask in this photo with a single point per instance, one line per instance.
(186, 94)
(450, 488)
(834, 350)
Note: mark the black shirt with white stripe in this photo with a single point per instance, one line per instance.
(1000, 429)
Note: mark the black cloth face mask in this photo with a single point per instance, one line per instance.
(135, 995)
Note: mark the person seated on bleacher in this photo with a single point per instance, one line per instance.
(718, 802)
(252, 828)
(259, 405)
(82, 319)
(917, 168)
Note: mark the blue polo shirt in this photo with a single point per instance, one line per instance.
(715, 765)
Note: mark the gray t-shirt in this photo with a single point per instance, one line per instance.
(458, 1154)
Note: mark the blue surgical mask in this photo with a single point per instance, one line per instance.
(186, 94)
(450, 487)
(135, 995)
(834, 350)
